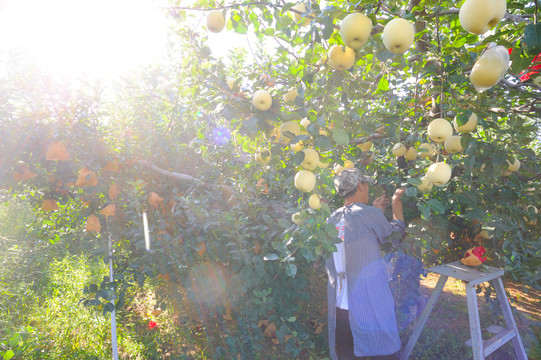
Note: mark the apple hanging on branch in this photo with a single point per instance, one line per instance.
(355, 30)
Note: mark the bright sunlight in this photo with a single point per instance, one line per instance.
(99, 38)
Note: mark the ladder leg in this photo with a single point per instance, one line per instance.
(509, 319)
(424, 317)
(475, 324)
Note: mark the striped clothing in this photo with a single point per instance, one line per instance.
(371, 306)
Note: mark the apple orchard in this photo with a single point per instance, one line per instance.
(233, 159)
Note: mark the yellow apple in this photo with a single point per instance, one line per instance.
(304, 125)
(479, 16)
(425, 186)
(298, 146)
(311, 159)
(365, 146)
(490, 68)
(427, 150)
(338, 169)
(305, 181)
(291, 95)
(399, 149)
(262, 100)
(215, 21)
(411, 154)
(355, 30)
(324, 164)
(398, 35)
(230, 83)
(263, 156)
(288, 131)
(452, 145)
(298, 17)
(469, 126)
(305, 122)
(438, 173)
(314, 201)
(514, 166)
(348, 164)
(485, 235)
(297, 218)
(439, 130)
(341, 59)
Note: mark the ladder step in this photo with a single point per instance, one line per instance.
(495, 342)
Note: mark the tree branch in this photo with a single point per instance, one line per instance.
(224, 7)
(170, 174)
(519, 87)
(369, 138)
(507, 16)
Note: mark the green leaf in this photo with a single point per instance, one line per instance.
(330, 229)
(328, 27)
(436, 206)
(425, 211)
(460, 41)
(383, 84)
(532, 37)
(292, 319)
(298, 158)
(340, 136)
(291, 270)
(411, 191)
(463, 117)
(284, 223)
(414, 181)
(9, 354)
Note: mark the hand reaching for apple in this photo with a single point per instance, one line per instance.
(381, 202)
(398, 194)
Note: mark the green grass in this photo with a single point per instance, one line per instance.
(41, 314)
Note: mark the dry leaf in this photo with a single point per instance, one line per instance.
(111, 166)
(227, 315)
(49, 205)
(270, 330)
(154, 200)
(287, 337)
(319, 328)
(201, 249)
(57, 151)
(263, 186)
(113, 191)
(86, 199)
(86, 177)
(109, 210)
(257, 248)
(24, 174)
(264, 323)
(275, 341)
(93, 224)
(166, 277)
(156, 312)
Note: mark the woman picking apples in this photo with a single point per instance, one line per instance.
(361, 316)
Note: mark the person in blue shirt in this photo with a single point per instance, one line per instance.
(361, 314)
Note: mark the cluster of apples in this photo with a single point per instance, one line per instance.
(476, 16)
(355, 29)
(440, 131)
(305, 179)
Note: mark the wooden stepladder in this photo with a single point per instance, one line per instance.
(472, 277)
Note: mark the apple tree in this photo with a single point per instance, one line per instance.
(232, 159)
